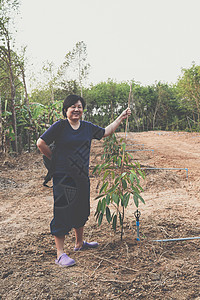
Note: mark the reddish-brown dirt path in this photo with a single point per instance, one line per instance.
(116, 270)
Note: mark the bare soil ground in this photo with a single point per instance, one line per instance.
(116, 270)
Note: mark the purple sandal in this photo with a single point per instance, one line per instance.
(65, 261)
(86, 245)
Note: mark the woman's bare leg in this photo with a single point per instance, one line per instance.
(59, 241)
(79, 237)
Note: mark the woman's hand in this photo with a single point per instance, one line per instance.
(113, 126)
(126, 113)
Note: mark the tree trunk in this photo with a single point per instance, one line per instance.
(1, 128)
(25, 89)
(112, 115)
(32, 122)
(29, 141)
(13, 93)
(14, 118)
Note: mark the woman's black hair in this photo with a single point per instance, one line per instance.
(69, 101)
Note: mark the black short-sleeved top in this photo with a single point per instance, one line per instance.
(73, 144)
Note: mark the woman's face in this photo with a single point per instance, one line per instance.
(74, 112)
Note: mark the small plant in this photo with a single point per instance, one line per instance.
(120, 183)
(111, 147)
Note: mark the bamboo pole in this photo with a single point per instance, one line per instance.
(122, 163)
(129, 100)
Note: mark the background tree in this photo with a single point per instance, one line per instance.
(50, 71)
(155, 107)
(105, 101)
(1, 128)
(7, 55)
(75, 66)
(189, 90)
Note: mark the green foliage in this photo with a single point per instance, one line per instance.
(40, 118)
(120, 184)
(105, 101)
(111, 148)
(154, 107)
(188, 90)
(7, 124)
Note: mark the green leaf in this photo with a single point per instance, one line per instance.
(135, 176)
(135, 190)
(123, 174)
(135, 197)
(126, 199)
(108, 215)
(100, 219)
(142, 174)
(120, 177)
(124, 184)
(99, 206)
(119, 161)
(95, 169)
(96, 214)
(131, 156)
(117, 179)
(115, 198)
(131, 178)
(113, 174)
(114, 223)
(101, 167)
(141, 189)
(106, 174)
(100, 196)
(141, 199)
(114, 158)
(113, 188)
(104, 186)
(107, 199)
(103, 205)
(124, 146)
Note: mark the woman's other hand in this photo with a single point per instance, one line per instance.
(44, 148)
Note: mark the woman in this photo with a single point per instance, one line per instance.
(71, 185)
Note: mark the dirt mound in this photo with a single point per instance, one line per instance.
(161, 180)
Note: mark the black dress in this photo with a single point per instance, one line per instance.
(71, 184)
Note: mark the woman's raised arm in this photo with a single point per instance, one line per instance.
(110, 129)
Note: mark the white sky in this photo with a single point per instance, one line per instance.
(144, 40)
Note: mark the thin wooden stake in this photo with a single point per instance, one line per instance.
(129, 100)
(123, 154)
(123, 157)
